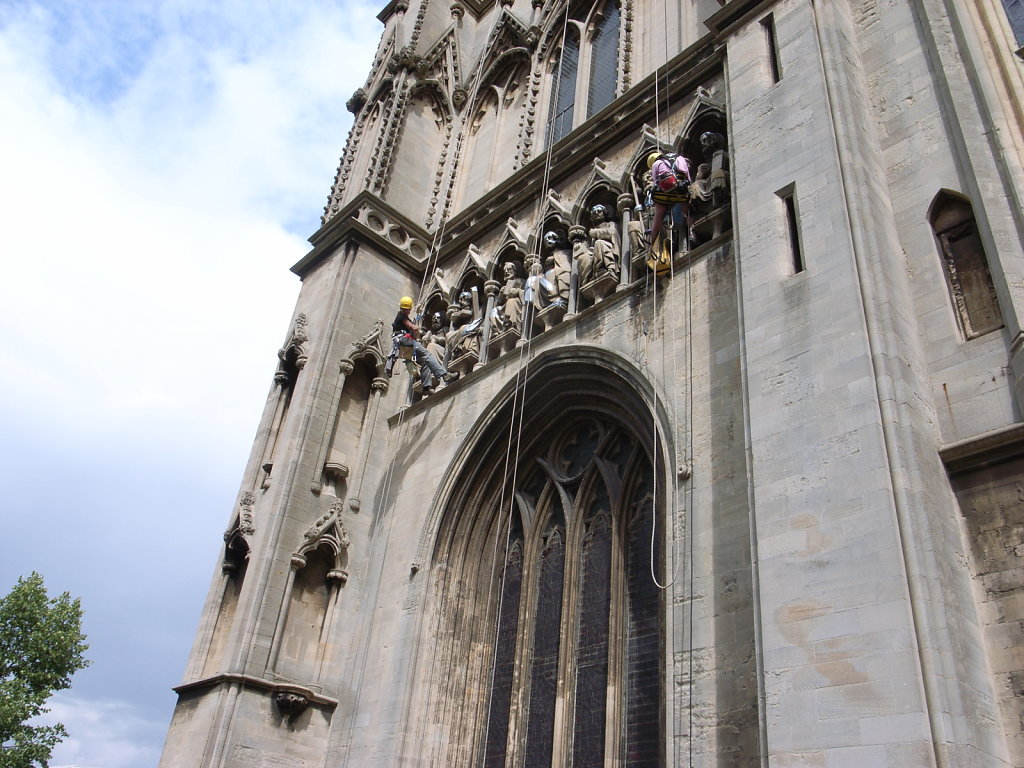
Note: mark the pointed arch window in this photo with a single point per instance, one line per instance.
(573, 675)
(591, 48)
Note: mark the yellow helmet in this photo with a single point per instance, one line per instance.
(652, 159)
(405, 303)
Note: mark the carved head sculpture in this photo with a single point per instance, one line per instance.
(436, 322)
(710, 142)
(600, 213)
(465, 299)
(510, 270)
(554, 238)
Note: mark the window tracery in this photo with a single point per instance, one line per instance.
(571, 674)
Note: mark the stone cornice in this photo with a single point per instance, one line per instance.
(984, 450)
(251, 681)
(737, 12)
(370, 219)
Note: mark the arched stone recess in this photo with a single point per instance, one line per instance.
(237, 547)
(539, 584)
(466, 312)
(355, 403)
(583, 54)
(965, 266)
(549, 269)
(416, 171)
(506, 293)
(319, 569)
(494, 124)
(597, 239)
(704, 141)
(292, 359)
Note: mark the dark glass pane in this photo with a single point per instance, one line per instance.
(643, 676)
(504, 659)
(604, 62)
(1015, 13)
(592, 647)
(544, 669)
(563, 98)
(578, 452)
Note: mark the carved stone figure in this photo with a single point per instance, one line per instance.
(713, 145)
(602, 258)
(510, 297)
(551, 286)
(434, 338)
(466, 326)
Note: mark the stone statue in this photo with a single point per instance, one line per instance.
(713, 146)
(434, 338)
(603, 257)
(466, 326)
(510, 297)
(551, 286)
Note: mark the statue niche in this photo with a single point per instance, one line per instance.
(709, 192)
(548, 282)
(463, 340)
(597, 263)
(510, 304)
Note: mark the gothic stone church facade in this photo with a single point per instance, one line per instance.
(764, 507)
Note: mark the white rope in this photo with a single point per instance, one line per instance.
(519, 397)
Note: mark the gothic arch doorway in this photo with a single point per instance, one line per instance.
(547, 624)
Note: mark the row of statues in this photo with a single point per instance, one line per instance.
(581, 265)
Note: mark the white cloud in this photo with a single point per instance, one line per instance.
(161, 165)
(103, 734)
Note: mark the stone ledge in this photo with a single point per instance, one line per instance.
(984, 450)
(256, 682)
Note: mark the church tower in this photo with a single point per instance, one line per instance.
(753, 499)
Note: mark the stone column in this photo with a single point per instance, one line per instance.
(624, 205)
(491, 288)
(577, 234)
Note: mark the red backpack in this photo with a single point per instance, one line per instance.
(668, 180)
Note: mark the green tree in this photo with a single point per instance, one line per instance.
(41, 647)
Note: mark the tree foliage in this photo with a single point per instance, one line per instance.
(41, 647)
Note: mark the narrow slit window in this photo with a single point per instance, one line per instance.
(768, 24)
(788, 197)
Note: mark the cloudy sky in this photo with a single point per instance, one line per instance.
(162, 163)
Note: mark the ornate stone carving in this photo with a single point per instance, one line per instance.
(463, 341)
(371, 342)
(295, 350)
(598, 263)
(290, 703)
(356, 102)
(548, 282)
(510, 299)
(458, 10)
(246, 524)
(330, 527)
